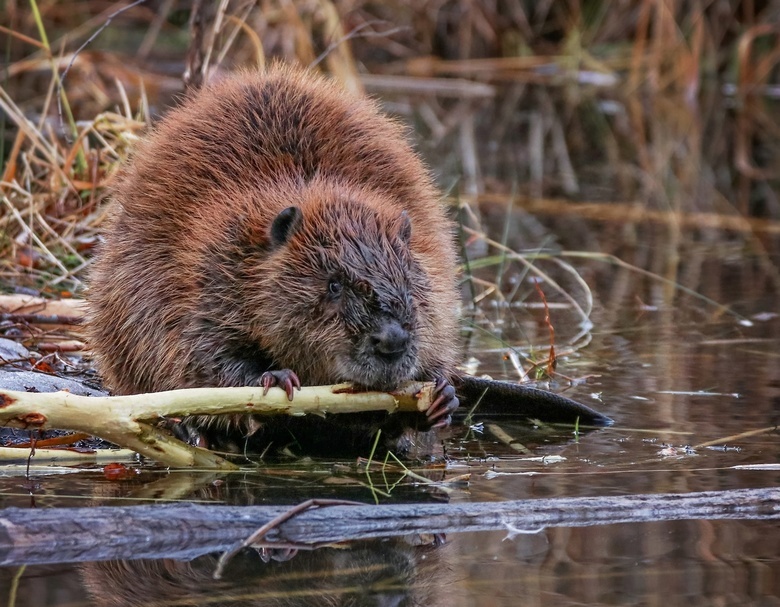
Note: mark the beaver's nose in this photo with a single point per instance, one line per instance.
(391, 340)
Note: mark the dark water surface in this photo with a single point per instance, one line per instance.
(676, 368)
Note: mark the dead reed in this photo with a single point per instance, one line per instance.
(667, 108)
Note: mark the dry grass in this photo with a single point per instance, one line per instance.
(618, 97)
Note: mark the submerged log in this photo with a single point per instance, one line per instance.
(186, 531)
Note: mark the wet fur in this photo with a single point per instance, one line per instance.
(191, 289)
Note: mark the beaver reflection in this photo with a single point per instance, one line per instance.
(373, 573)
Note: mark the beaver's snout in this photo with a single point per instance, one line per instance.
(390, 341)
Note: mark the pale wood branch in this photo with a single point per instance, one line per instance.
(128, 421)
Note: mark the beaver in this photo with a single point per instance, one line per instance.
(386, 571)
(276, 230)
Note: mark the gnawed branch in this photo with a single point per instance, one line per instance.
(130, 421)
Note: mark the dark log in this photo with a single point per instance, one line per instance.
(185, 531)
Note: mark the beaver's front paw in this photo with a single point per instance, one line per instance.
(445, 401)
(285, 379)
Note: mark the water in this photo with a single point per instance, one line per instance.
(681, 359)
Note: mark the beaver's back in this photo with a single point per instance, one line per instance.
(233, 155)
(252, 129)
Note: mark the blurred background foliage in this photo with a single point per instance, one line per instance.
(651, 106)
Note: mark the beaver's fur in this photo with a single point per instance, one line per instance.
(274, 222)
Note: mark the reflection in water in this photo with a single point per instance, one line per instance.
(679, 563)
(684, 563)
(384, 574)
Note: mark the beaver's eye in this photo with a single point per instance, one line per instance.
(334, 288)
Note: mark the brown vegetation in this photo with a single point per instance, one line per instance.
(666, 107)
(54, 185)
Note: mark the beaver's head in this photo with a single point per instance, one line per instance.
(342, 293)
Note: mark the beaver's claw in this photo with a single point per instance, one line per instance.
(285, 379)
(445, 401)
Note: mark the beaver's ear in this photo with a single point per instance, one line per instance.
(286, 223)
(405, 227)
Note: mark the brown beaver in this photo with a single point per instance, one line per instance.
(276, 230)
